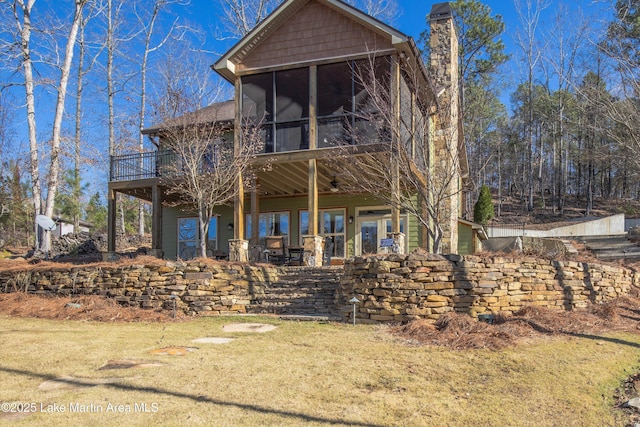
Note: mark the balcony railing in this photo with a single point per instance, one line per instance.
(127, 167)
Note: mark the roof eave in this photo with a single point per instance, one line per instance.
(226, 67)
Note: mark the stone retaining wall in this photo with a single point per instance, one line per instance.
(196, 288)
(399, 288)
(390, 288)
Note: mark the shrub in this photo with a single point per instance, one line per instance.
(483, 209)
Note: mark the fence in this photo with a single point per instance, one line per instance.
(506, 230)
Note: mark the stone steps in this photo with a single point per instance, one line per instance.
(612, 247)
(300, 291)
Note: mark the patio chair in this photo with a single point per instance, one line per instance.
(277, 252)
(295, 255)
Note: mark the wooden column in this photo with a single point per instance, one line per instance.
(395, 168)
(156, 231)
(238, 205)
(313, 144)
(395, 183)
(111, 220)
(313, 102)
(255, 213)
(313, 198)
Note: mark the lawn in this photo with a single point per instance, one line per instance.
(303, 373)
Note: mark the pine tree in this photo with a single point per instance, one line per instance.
(483, 209)
(96, 214)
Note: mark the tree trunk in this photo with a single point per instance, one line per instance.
(27, 66)
(54, 168)
(143, 101)
(78, 130)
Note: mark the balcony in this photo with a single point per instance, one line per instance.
(136, 166)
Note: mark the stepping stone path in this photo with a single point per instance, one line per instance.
(128, 364)
(173, 351)
(213, 340)
(69, 382)
(248, 327)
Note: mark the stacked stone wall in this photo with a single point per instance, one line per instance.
(398, 288)
(196, 288)
(390, 288)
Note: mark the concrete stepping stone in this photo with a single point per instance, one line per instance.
(69, 382)
(248, 327)
(173, 351)
(213, 340)
(129, 364)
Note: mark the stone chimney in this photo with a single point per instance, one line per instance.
(443, 48)
(444, 73)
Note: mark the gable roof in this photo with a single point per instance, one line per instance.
(226, 65)
(219, 112)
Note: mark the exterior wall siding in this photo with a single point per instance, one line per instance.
(170, 217)
(315, 32)
(293, 205)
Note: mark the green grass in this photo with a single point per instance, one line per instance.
(310, 374)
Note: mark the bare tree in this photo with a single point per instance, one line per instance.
(22, 15)
(527, 40)
(22, 12)
(54, 167)
(117, 33)
(204, 167)
(384, 10)
(82, 71)
(148, 24)
(621, 46)
(565, 43)
(241, 16)
(392, 148)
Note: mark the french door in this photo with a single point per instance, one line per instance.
(371, 229)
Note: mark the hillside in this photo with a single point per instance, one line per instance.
(514, 211)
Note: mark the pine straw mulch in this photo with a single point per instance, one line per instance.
(91, 307)
(460, 331)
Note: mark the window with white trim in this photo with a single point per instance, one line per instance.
(270, 224)
(331, 225)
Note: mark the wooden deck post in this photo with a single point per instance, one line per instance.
(156, 230)
(111, 220)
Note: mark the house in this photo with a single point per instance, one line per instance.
(297, 72)
(66, 226)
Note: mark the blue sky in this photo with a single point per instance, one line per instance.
(411, 22)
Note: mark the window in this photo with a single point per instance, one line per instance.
(212, 236)
(281, 101)
(270, 224)
(331, 225)
(188, 237)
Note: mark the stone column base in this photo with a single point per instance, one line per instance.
(238, 250)
(398, 243)
(312, 256)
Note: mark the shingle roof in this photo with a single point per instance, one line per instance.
(218, 112)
